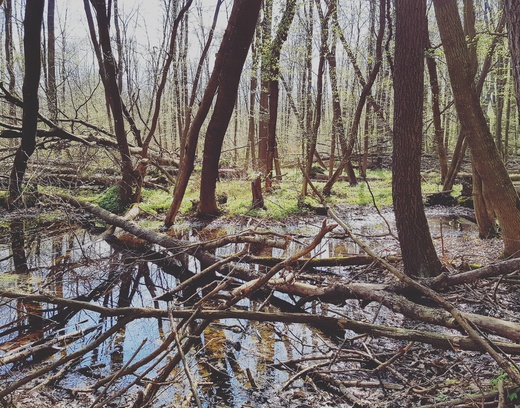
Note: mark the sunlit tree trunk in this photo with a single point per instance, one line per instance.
(9, 57)
(273, 73)
(311, 145)
(263, 125)
(419, 256)
(365, 92)
(32, 64)
(486, 158)
(436, 111)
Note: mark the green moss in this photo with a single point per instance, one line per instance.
(155, 201)
(110, 201)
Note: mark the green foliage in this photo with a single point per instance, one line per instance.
(155, 201)
(512, 394)
(110, 201)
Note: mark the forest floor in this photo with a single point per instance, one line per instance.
(360, 370)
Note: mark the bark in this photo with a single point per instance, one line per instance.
(9, 57)
(253, 89)
(198, 73)
(52, 94)
(419, 256)
(235, 46)
(263, 127)
(109, 78)
(486, 158)
(512, 13)
(32, 63)
(273, 72)
(256, 191)
(461, 144)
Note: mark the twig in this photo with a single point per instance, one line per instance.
(486, 344)
(185, 365)
(116, 376)
(44, 370)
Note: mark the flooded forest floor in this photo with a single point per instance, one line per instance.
(92, 320)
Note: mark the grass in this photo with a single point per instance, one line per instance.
(284, 201)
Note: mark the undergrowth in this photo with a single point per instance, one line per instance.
(284, 201)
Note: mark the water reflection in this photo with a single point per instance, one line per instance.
(77, 265)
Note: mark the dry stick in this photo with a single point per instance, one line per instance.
(207, 271)
(489, 323)
(162, 349)
(252, 286)
(300, 373)
(16, 355)
(42, 371)
(186, 368)
(486, 344)
(436, 339)
(238, 295)
(116, 376)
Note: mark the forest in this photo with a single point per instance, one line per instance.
(259, 203)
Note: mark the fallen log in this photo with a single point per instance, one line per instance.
(441, 340)
(332, 293)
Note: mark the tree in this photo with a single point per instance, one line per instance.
(32, 63)
(512, 13)
(107, 65)
(52, 95)
(235, 46)
(272, 71)
(190, 146)
(417, 248)
(487, 161)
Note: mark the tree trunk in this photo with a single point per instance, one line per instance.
(311, 146)
(109, 79)
(52, 95)
(419, 256)
(486, 158)
(436, 111)
(32, 62)
(9, 57)
(512, 13)
(365, 92)
(263, 125)
(484, 215)
(273, 72)
(235, 46)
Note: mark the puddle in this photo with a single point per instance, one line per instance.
(69, 262)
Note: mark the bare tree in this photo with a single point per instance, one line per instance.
(32, 63)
